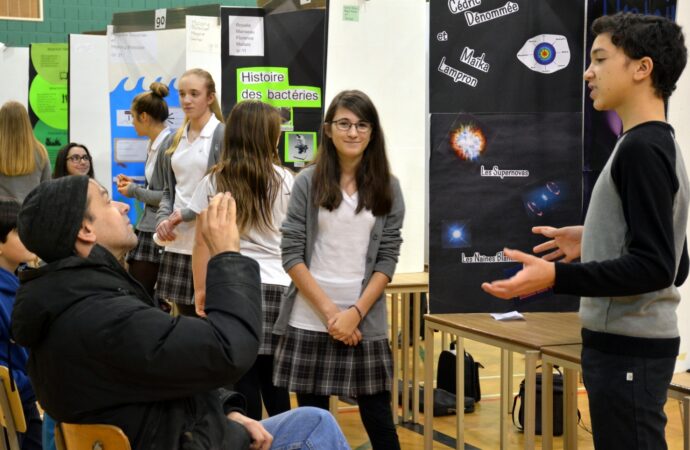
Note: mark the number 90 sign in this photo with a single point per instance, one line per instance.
(159, 21)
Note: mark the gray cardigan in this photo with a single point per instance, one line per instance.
(152, 193)
(19, 186)
(299, 235)
(165, 172)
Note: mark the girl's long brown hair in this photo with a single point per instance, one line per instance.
(246, 167)
(373, 173)
(19, 148)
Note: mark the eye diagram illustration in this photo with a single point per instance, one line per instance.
(545, 53)
(468, 142)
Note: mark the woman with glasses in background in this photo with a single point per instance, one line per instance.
(340, 245)
(73, 159)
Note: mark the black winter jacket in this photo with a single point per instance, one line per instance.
(101, 352)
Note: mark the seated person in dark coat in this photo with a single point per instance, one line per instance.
(101, 351)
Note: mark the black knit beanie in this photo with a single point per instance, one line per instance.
(51, 217)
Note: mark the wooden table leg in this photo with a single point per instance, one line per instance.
(428, 387)
(460, 392)
(531, 358)
(395, 328)
(686, 423)
(570, 409)
(405, 346)
(416, 306)
(506, 393)
(546, 406)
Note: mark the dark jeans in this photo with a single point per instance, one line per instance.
(627, 395)
(257, 384)
(376, 414)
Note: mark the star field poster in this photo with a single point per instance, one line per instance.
(506, 142)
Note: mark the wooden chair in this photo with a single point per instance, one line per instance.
(12, 412)
(70, 436)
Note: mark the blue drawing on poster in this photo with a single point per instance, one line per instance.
(544, 53)
(124, 138)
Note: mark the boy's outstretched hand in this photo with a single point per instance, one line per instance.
(565, 243)
(536, 275)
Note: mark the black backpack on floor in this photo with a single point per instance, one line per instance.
(445, 374)
(557, 412)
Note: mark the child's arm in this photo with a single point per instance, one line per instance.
(310, 289)
(200, 258)
(293, 247)
(384, 268)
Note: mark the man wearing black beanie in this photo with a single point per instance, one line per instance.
(102, 352)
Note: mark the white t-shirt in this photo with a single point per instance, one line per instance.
(263, 246)
(153, 153)
(190, 163)
(338, 260)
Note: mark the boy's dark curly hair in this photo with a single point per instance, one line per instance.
(9, 208)
(640, 35)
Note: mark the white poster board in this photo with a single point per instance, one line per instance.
(14, 67)
(89, 114)
(385, 59)
(203, 46)
(134, 61)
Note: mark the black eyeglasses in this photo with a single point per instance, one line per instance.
(344, 125)
(76, 158)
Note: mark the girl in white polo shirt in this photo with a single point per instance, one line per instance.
(250, 169)
(341, 241)
(194, 150)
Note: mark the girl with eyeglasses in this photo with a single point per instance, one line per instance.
(24, 160)
(251, 170)
(149, 115)
(195, 148)
(340, 245)
(73, 159)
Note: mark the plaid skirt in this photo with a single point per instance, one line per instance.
(271, 298)
(146, 250)
(175, 278)
(312, 362)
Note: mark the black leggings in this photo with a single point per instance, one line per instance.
(145, 272)
(375, 411)
(257, 384)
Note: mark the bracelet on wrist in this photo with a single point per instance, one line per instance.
(359, 312)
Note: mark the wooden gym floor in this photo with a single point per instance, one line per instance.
(481, 426)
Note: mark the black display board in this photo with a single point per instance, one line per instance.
(292, 68)
(603, 127)
(506, 147)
